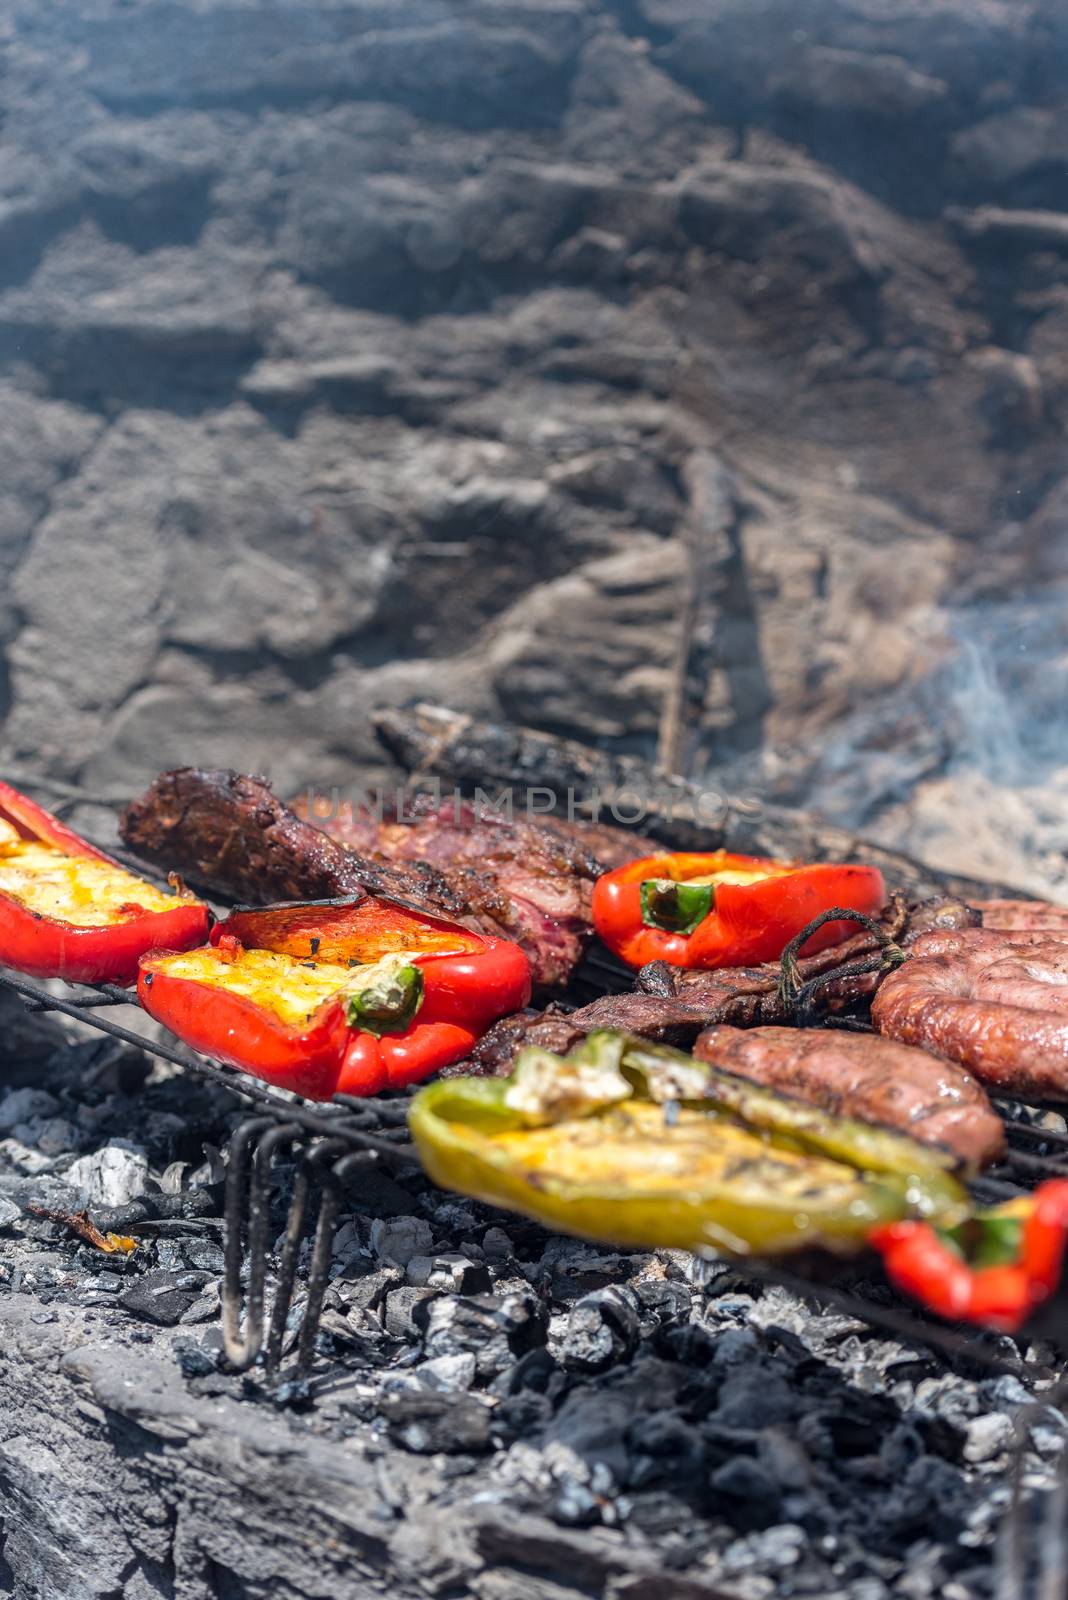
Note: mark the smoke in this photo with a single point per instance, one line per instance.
(967, 768)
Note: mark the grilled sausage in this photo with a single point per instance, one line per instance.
(872, 1079)
(995, 1002)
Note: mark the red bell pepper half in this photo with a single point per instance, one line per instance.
(995, 1271)
(719, 910)
(68, 911)
(336, 997)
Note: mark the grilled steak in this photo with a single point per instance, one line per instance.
(230, 834)
(532, 884)
(1012, 915)
(611, 846)
(995, 1002)
(671, 1021)
(873, 1079)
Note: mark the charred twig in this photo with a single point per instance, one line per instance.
(797, 996)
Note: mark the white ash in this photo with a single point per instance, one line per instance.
(112, 1175)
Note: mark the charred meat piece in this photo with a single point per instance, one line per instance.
(863, 1076)
(1012, 915)
(496, 1051)
(674, 1006)
(533, 884)
(749, 997)
(611, 846)
(229, 834)
(669, 1020)
(233, 836)
(995, 1002)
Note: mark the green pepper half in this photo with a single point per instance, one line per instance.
(642, 1146)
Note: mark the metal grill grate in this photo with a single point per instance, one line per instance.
(334, 1144)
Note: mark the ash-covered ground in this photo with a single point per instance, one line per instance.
(495, 1411)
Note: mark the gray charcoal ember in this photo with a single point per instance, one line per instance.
(26, 1105)
(452, 1215)
(537, 1371)
(755, 1397)
(948, 1397)
(171, 1256)
(28, 1040)
(780, 1546)
(602, 1328)
(494, 1329)
(204, 1254)
(9, 1211)
(784, 1457)
(447, 1373)
(735, 1347)
(1002, 1393)
(162, 1297)
(53, 1136)
(521, 1416)
(497, 1244)
(431, 1423)
(988, 1437)
(13, 1153)
(380, 1195)
(589, 1433)
(662, 1302)
(330, 1321)
(364, 1290)
(452, 1273)
(347, 1241)
(205, 1307)
(112, 1175)
(746, 1492)
(397, 1239)
(174, 1177)
(575, 1504)
(402, 1307)
(109, 1282)
(662, 1444)
(1049, 1431)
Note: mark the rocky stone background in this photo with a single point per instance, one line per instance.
(519, 353)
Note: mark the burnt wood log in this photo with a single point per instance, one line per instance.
(432, 740)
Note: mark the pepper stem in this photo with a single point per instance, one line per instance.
(675, 907)
(388, 1003)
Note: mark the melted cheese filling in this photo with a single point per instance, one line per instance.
(734, 875)
(294, 990)
(78, 889)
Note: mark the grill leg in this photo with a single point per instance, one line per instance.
(333, 1192)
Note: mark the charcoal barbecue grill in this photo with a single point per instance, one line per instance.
(333, 1146)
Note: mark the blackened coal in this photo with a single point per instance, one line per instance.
(542, 1389)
